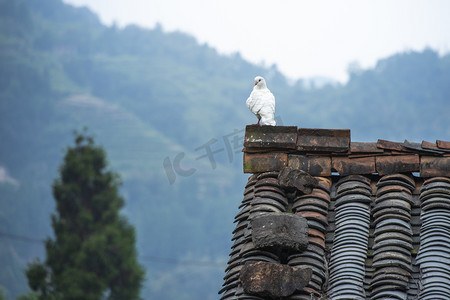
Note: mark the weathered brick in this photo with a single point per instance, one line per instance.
(264, 162)
(314, 165)
(323, 140)
(283, 137)
(431, 166)
(397, 164)
(348, 166)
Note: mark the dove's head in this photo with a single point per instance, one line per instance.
(260, 82)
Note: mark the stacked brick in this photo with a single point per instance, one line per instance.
(393, 237)
(434, 254)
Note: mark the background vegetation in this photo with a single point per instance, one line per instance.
(93, 254)
(156, 101)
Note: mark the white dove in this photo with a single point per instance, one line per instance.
(262, 102)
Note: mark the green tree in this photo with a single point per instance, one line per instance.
(93, 254)
(29, 296)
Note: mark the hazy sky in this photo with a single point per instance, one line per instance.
(303, 38)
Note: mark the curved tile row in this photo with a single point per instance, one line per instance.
(434, 252)
(241, 237)
(343, 275)
(313, 207)
(393, 237)
(351, 236)
(262, 194)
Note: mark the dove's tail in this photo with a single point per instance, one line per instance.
(267, 117)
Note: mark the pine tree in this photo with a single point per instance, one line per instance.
(93, 254)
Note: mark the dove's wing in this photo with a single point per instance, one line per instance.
(257, 100)
(250, 102)
(270, 101)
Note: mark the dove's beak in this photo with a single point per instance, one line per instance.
(256, 83)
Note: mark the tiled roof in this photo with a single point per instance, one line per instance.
(375, 229)
(324, 151)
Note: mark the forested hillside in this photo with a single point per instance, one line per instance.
(158, 101)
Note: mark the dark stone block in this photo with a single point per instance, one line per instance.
(280, 230)
(273, 280)
(292, 179)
